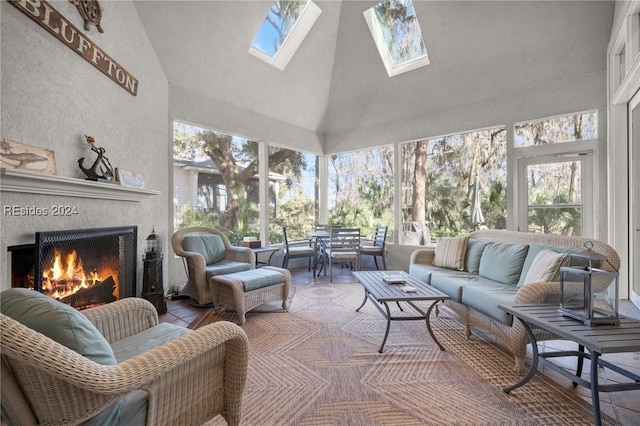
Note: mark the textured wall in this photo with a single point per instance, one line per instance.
(51, 98)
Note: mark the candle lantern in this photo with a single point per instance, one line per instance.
(589, 293)
(154, 245)
(152, 280)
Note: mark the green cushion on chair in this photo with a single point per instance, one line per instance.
(210, 246)
(257, 278)
(67, 326)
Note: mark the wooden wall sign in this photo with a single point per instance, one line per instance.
(51, 20)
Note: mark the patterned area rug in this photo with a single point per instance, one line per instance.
(318, 364)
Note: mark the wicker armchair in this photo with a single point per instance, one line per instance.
(44, 382)
(207, 252)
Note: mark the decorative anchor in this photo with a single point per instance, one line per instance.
(101, 167)
(90, 12)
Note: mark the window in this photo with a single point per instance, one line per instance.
(216, 180)
(555, 162)
(568, 128)
(360, 189)
(293, 193)
(397, 36)
(287, 24)
(453, 184)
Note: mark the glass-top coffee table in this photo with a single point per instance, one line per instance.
(381, 294)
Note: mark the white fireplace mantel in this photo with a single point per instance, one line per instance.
(34, 183)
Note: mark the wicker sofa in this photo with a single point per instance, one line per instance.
(494, 270)
(115, 364)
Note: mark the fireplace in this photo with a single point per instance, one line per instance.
(81, 267)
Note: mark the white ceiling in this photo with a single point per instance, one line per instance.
(336, 81)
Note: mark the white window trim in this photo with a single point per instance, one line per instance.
(294, 39)
(376, 34)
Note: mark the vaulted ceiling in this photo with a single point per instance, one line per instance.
(336, 81)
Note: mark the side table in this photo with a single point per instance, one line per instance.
(267, 249)
(598, 340)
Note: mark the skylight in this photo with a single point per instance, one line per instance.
(287, 24)
(397, 35)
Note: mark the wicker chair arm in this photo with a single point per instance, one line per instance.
(205, 361)
(241, 254)
(123, 318)
(422, 256)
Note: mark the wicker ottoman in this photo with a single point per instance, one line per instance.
(245, 290)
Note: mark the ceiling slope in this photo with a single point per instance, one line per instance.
(337, 82)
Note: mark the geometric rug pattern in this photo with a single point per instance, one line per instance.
(318, 364)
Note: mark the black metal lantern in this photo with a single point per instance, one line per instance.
(152, 280)
(588, 293)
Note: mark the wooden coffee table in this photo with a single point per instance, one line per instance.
(381, 294)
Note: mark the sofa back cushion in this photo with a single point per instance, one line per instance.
(450, 252)
(210, 246)
(545, 267)
(503, 262)
(475, 248)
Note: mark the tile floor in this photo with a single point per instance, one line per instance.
(623, 406)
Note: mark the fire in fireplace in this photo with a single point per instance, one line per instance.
(82, 268)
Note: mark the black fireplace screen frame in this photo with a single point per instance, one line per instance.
(128, 269)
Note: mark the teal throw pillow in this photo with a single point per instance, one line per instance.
(475, 248)
(503, 262)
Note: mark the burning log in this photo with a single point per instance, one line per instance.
(100, 293)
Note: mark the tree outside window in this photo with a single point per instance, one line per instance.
(361, 189)
(293, 188)
(439, 184)
(211, 168)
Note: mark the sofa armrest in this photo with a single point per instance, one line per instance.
(538, 293)
(123, 318)
(241, 254)
(422, 256)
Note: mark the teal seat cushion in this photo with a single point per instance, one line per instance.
(503, 262)
(257, 278)
(422, 271)
(134, 404)
(453, 283)
(225, 267)
(210, 246)
(486, 299)
(146, 340)
(475, 248)
(67, 326)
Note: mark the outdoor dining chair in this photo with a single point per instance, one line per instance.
(344, 246)
(297, 249)
(376, 247)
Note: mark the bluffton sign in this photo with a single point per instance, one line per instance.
(51, 20)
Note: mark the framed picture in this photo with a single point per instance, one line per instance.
(19, 156)
(129, 179)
